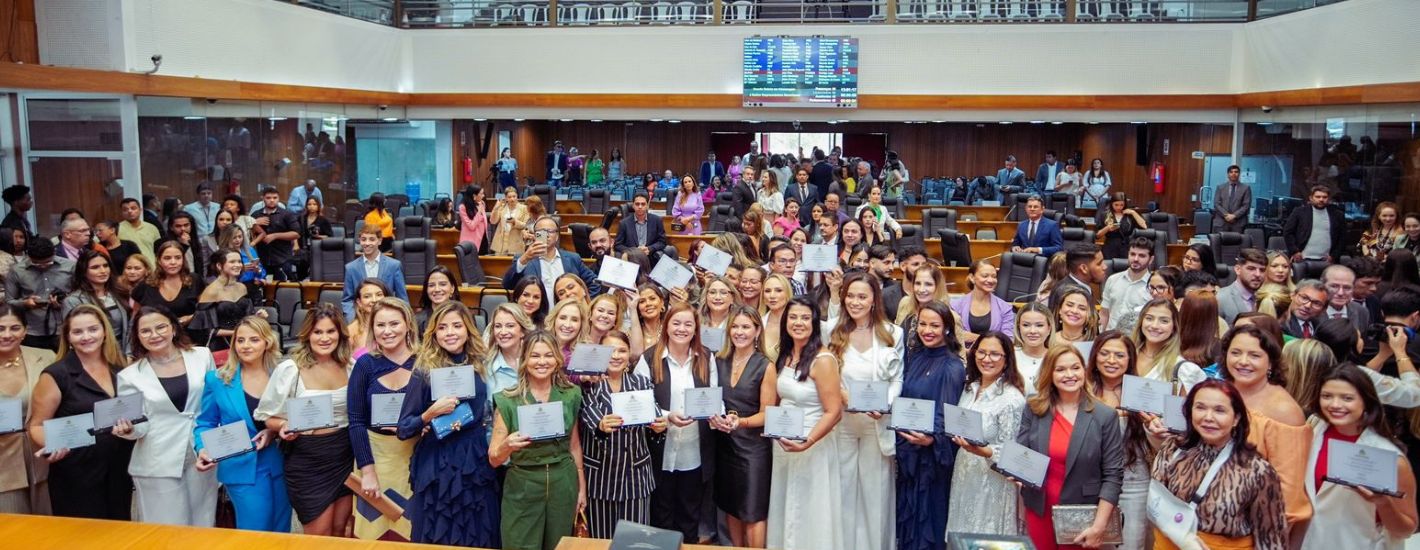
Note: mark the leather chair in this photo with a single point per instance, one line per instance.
(1071, 236)
(470, 267)
(1278, 243)
(985, 233)
(330, 296)
(597, 201)
(1225, 275)
(1115, 265)
(1307, 269)
(912, 235)
(1020, 275)
(328, 259)
(956, 248)
(412, 227)
(287, 300)
(581, 239)
(851, 204)
(418, 257)
(1071, 220)
(1165, 223)
(896, 207)
(1055, 215)
(1202, 221)
(1256, 233)
(1161, 246)
(1018, 209)
(722, 218)
(396, 201)
(548, 196)
(1060, 201)
(934, 219)
(1226, 246)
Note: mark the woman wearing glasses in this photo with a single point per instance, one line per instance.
(983, 501)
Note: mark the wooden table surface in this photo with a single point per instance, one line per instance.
(46, 532)
(571, 543)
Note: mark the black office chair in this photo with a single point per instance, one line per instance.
(411, 227)
(396, 201)
(548, 196)
(1060, 201)
(1161, 246)
(469, 266)
(1202, 221)
(1226, 246)
(581, 238)
(956, 247)
(1018, 209)
(1020, 275)
(934, 219)
(1256, 233)
(1307, 269)
(851, 203)
(1115, 265)
(912, 235)
(1165, 223)
(287, 299)
(1071, 236)
(722, 218)
(417, 256)
(895, 206)
(597, 201)
(329, 257)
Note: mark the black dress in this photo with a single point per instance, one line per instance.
(223, 316)
(185, 304)
(91, 482)
(743, 458)
(1116, 243)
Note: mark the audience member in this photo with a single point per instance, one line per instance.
(545, 261)
(1231, 203)
(371, 264)
(1037, 234)
(1241, 296)
(1315, 233)
(711, 168)
(1340, 284)
(133, 229)
(37, 286)
(1125, 292)
(1309, 302)
(20, 200)
(275, 234)
(1046, 173)
(76, 236)
(642, 230)
(107, 233)
(807, 195)
(302, 193)
(1008, 175)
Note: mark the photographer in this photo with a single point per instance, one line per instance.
(1392, 370)
(37, 286)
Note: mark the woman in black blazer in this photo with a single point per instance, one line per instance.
(1081, 436)
(685, 462)
(617, 459)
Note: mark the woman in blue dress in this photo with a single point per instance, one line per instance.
(933, 372)
(455, 489)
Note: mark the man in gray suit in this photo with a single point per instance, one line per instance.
(1231, 203)
(1241, 296)
(1340, 283)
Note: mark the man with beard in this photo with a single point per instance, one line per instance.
(600, 242)
(1239, 297)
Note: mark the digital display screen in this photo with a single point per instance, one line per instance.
(803, 71)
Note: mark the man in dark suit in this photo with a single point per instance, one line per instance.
(556, 165)
(1085, 263)
(1308, 308)
(711, 169)
(1045, 174)
(821, 175)
(1231, 203)
(544, 260)
(1315, 233)
(742, 193)
(912, 257)
(1037, 234)
(641, 230)
(1340, 284)
(806, 194)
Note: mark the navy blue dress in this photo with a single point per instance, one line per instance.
(456, 494)
(924, 474)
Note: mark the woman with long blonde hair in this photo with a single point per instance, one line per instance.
(1157, 338)
(381, 459)
(255, 481)
(1385, 229)
(455, 489)
(871, 350)
(928, 284)
(1275, 295)
(568, 324)
(1305, 362)
(716, 301)
(545, 487)
(744, 458)
(777, 293)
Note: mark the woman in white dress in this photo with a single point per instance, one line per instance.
(1096, 183)
(804, 503)
(871, 349)
(1347, 409)
(1068, 182)
(769, 196)
(1033, 332)
(983, 501)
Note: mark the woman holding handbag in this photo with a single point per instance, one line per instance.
(1210, 487)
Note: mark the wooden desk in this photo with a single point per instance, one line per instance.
(572, 543)
(44, 532)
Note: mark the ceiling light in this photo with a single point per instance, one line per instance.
(657, 120)
(519, 119)
(1138, 122)
(276, 118)
(1006, 122)
(1056, 123)
(480, 120)
(596, 120)
(194, 118)
(565, 120)
(390, 119)
(1037, 122)
(673, 121)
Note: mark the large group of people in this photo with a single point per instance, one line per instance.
(1271, 372)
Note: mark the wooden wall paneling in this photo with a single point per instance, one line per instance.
(19, 36)
(72, 182)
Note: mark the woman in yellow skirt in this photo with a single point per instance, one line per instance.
(381, 458)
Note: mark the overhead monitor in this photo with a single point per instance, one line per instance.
(801, 71)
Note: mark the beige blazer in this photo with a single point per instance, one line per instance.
(18, 467)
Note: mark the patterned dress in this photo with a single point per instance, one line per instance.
(984, 501)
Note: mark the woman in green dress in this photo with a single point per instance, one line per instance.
(596, 169)
(545, 488)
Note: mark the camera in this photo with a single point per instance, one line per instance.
(58, 295)
(157, 58)
(1377, 332)
(1266, 108)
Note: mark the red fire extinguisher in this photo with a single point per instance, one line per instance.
(467, 170)
(1157, 174)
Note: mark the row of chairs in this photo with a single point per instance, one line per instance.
(604, 13)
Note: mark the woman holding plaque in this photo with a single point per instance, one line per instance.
(1033, 332)
(777, 292)
(924, 460)
(1242, 508)
(743, 457)
(23, 489)
(1252, 361)
(317, 461)
(801, 496)
(93, 481)
(568, 324)
(544, 488)
(686, 463)
(1158, 337)
(1348, 409)
(716, 301)
(381, 458)
(983, 501)
(1111, 358)
(1080, 434)
(455, 489)
(255, 481)
(617, 458)
(871, 349)
(169, 375)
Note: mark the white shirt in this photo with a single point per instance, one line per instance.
(682, 451)
(372, 268)
(1333, 313)
(1123, 294)
(1029, 367)
(550, 271)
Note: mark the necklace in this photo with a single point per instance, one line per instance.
(17, 361)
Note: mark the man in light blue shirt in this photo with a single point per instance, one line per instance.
(297, 201)
(204, 210)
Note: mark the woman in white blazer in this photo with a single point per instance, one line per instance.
(169, 374)
(871, 348)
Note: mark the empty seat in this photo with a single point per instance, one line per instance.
(1256, 234)
(597, 201)
(411, 227)
(1020, 275)
(969, 217)
(298, 319)
(1308, 269)
(912, 235)
(895, 206)
(581, 239)
(418, 257)
(549, 198)
(1164, 222)
(722, 218)
(328, 259)
(1018, 209)
(1071, 236)
(287, 300)
(1226, 246)
(396, 201)
(956, 248)
(1202, 222)
(985, 233)
(1060, 201)
(330, 296)
(934, 219)
(851, 203)
(470, 267)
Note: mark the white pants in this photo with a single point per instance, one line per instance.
(869, 518)
(189, 500)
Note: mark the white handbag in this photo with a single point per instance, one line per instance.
(1176, 519)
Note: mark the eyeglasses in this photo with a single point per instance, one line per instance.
(160, 330)
(989, 355)
(1306, 301)
(785, 261)
(1159, 289)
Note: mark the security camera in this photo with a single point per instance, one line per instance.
(211, 101)
(383, 107)
(157, 58)
(1266, 108)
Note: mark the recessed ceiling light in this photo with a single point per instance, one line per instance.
(1138, 122)
(566, 120)
(194, 118)
(480, 120)
(1005, 122)
(1094, 122)
(1056, 122)
(519, 119)
(673, 121)
(276, 118)
(938, 121)
(596, 120)
(657, 119)
(833, 122)
(390, 119)
(1037, 122)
